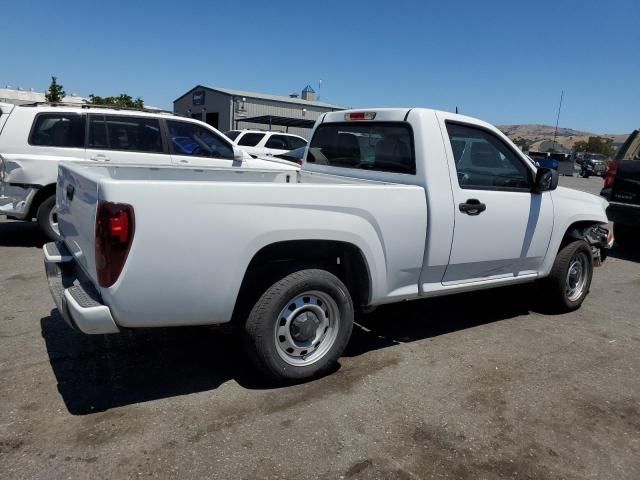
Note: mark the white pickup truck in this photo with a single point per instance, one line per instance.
(390, 205)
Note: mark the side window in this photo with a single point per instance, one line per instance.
(191, 139)
(250, 139)
(278, 142)
(295, 142)
(117, 132)
(483, 161)
(58, 130)
(136, 134)
(97, 132)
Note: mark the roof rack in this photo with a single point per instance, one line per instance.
(92, 105)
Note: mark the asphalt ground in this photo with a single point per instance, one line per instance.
(472, 386)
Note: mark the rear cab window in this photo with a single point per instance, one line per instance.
(58, 130)
(382, 146)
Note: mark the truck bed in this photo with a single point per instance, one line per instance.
(196, 231)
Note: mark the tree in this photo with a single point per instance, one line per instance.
(522, 143)
(122, 100)
(601, 145)
(56, 93)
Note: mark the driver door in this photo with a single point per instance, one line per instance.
(502, 230)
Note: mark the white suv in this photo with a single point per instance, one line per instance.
(259, 142)
(35, 138)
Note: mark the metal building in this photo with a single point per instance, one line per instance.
(19, 96)
(229, 109)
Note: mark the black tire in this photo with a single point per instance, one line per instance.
(43, 218)
(261, 337)
(556, 284)
(626, 236)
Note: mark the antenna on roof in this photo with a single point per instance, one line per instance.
(456, 109)
(319, 86)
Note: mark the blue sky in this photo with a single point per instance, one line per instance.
(502, 61)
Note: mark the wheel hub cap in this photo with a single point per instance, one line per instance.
(577, 276)
(304, 326)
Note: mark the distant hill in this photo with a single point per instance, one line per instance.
(542, 136)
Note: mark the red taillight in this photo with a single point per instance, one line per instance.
(611, 174)
(115, 227)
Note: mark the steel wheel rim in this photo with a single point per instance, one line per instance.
(577, 275)
(306, 328)
(53, 220)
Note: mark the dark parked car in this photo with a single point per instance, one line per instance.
(593, 164)
(622, 189)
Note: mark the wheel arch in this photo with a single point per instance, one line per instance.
(41, 195)
(274, 261)
(574, 231)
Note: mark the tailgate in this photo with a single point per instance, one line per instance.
(77, 199)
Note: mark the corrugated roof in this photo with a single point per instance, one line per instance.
(265, 96)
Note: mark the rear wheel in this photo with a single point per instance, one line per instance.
(300, 326)
(47, 217)
(568, 284)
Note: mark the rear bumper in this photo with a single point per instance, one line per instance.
(78, 302)
(15, 200)
(624, 213)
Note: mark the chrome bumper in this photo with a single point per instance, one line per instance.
(75, 297)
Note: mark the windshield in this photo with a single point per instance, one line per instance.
(384, 146)
(232, 134)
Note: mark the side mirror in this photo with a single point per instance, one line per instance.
(546, 180)
(238, 154)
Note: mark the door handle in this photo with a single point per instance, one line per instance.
(472, 207)
(100, 158)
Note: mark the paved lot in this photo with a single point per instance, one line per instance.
(472, 386)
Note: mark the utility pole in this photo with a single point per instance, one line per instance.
(555, 133)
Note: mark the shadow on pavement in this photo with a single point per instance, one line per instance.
(417, 320)
(98, 372)
(21, 234)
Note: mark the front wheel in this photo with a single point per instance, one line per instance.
(300, 326)
(568, 284)
(47, 217)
